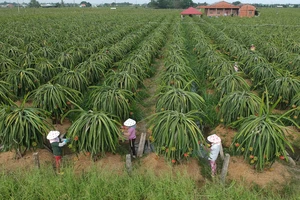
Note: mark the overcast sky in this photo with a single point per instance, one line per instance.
(147, 1)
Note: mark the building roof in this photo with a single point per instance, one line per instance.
(221, 4)
(191, 11)
(247, 7)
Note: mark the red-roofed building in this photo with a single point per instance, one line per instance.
(191, 11)
(247, 11)
(224, 8)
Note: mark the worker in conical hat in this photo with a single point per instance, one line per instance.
(214, 152)
(130, 134)
(56, 144)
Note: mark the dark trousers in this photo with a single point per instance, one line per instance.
(132, 147)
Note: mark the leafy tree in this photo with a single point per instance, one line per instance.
(163, 3)
(34, 4)
(236, 2)
(177, 4)
(87, 4)
(62, 4)
(171, 3)
(153, 4)
(186, 3)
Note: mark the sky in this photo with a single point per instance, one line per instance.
(147, 1)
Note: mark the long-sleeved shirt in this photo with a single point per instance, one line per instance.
(131, 133)
(56, 146)
(214, 151)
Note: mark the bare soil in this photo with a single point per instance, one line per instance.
(10, 163)
(226, 134)
(238, 170)
(158, 165)
(277, 176)
(83, 163)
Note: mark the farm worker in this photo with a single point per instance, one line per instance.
(252, 48)
(236, 67)
(214, 152)
(56, 145)
(129, 133)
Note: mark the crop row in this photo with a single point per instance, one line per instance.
(92, 90)
(256, 124)
(280, 83)
(176, 125)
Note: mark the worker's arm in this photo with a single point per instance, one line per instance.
(65, 141)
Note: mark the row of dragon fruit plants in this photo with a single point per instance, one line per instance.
(274, 68)
(270, 33)
(261, 137)
(176, 124)
(92, 80)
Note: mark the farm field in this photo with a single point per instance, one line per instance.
(85, 71)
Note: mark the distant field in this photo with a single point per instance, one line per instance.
(180, 79)
(80, 48)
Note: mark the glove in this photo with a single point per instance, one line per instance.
(66, 140)
(62, 144)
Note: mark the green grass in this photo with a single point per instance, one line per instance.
(101, 184)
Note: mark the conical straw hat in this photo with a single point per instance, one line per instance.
(214, 138)
(129, 122)
(52, 135)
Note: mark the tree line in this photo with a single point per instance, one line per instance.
(171, 4)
